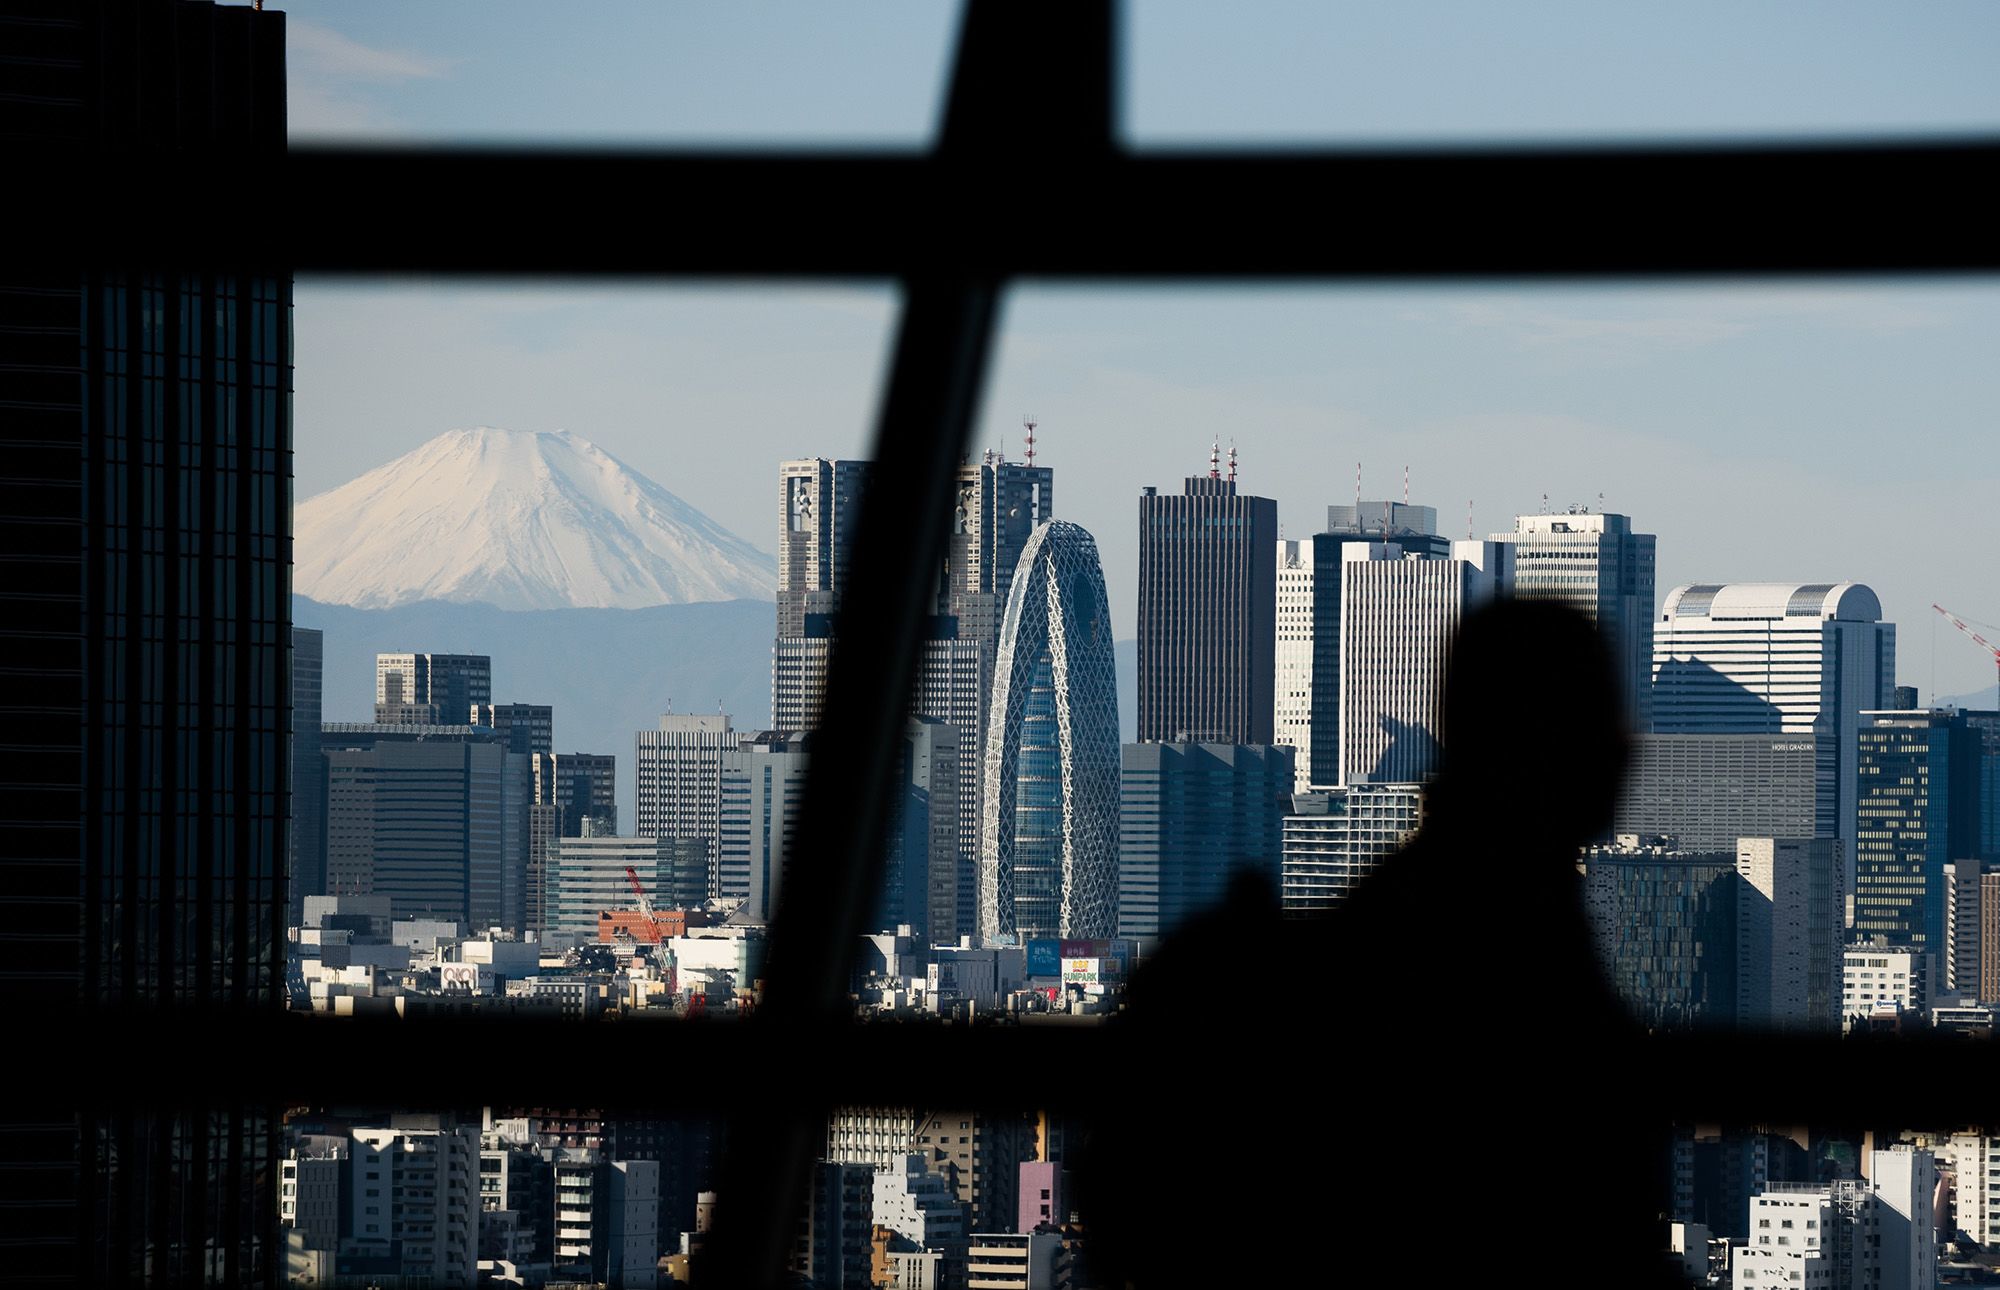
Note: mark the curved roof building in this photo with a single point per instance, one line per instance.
(1048, 836)
(1778, 658)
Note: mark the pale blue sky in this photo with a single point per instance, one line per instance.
(1762, 430)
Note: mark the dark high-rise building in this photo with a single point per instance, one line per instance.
(1192, 816)
(308, 844)
(1917, 811)
(1665, 923)
(145, 526)
(529, 727)
(1207, 613)
(920, 884)
(431, 689)
(434, 817)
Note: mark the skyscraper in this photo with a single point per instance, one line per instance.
(677, 780)
(308, 844)
(1207, 612)
(434, 817)
(1307, 688)
(431, 688)
(529, 727)
(762, 783)
(1399, 614)
(818, 502)
(921, 879)
(1917, 811)
(1049, 802)
(145, 615)
(1594, 563)
(953, 687)
(1770, 658)
(1191, 817)
(1334, 839)
(996, 506)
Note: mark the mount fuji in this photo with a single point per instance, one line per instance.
(517, 520)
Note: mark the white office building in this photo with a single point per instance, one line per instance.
(1974, 1161)
(919, 1205)
(1877, 975)
(678, 781)
(1789, 923)
(1399, 613)
(1292, 722)
(1772, 658)
(1853, 1234)
(762, 785)
(414, 1189)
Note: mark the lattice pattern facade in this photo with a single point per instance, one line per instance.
(1049, 815)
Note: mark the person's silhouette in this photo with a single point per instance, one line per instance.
(1427, 1088)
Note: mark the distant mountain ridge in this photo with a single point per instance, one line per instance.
(517, 520)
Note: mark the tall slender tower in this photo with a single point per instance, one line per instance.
(1207, 612)
(1049, 808)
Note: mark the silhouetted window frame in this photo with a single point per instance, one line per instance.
(1102, 212)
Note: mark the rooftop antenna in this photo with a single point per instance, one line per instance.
(1215, 460)
(1406, 485)
(1600, 503)
(1029, 421)
(1468, 519)
(1357, 494)
(1545, 503)
(1232, 461)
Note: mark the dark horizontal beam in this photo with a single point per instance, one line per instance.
(1475, 213)
(719, 1066)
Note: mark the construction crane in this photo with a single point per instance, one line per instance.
(1967, 628)
(654, 932)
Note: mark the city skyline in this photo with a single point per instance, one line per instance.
(1778, 505)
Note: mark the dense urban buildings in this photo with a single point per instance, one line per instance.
(1049, 801)
(1207, 612)
(431, 689)
(587, 877)
(1777, 658)
(1191, 817)
(1593, 562)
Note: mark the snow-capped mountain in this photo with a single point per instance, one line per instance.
(518, 520)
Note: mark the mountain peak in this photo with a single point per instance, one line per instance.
(519, 519)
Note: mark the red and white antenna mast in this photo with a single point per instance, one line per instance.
(1232, 461)
(1029, 421)
(1215, 460)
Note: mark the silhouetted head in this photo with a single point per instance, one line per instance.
(1535, 742)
